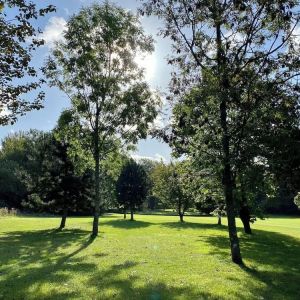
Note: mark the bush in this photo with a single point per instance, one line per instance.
(297, 200)
(8, 212)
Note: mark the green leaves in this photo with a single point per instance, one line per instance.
(18, 42)
(95, 66)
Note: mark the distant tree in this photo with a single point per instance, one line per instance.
(18, 40)
(22, 156)
(297, 200)
(132, 187)
(60, 188)
(12, 189)
(95, 65)
(171, 185)
(149, 166)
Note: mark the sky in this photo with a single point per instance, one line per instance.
(157, 73)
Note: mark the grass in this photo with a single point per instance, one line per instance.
(153, 258)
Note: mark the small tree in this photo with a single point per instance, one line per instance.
(60, 187)
(171, 184)
(132, 187)
(297, 200)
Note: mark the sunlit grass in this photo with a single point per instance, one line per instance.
(154, 257)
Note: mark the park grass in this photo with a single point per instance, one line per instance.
(153, 258)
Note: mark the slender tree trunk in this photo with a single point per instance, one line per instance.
(124, 213)
(131, 214)
(227, 172)
(219, 220)
(228, 189)
(63, 218)
(181, 217)
(245, 217)
(97, 180)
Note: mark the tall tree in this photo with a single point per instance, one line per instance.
(18, 40)
(95, 66)
(132, 187)
(235, 42)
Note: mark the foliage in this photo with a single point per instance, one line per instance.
(235, 44)
(132, 186)
(95, 66)
(21, 161)
(18, 40)
(4, 212)
(171, 184)
(297, 200)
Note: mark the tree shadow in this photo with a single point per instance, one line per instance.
(41, 258)
(271, 258)
(190, 225)
(127, 224)
(120, 282)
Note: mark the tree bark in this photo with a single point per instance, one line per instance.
(227, 172)
(245, 217)
(97, 179)
(63, 218)
(181, 217)
(219, 220)
(124, 213)
(131, 214)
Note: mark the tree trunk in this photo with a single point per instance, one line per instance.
(63, 218)
(97, 181)
(124, 213)
(219, 220)
(227, 172)
(181, 217)
(228, 189)
(245, 217)
(131, 214)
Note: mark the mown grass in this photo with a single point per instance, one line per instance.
(153, 258)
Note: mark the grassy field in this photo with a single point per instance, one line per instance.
(153, 258)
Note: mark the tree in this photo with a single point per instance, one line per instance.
(171, 186)
(132, 187)
(22, 155)
(95, 66)
(18, 40)
(12, 189)
(149, 165)
(60, 188)
(235, 43)
(297, 200)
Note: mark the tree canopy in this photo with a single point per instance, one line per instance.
(18, 41)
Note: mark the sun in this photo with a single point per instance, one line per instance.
(147, 62)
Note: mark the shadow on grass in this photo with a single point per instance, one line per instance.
(40, 259)
(127, 224)
(190, 225)
(276, 257)
(124, 287)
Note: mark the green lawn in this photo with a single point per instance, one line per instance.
(153, 258)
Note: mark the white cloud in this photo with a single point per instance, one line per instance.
(157, 157)
(54, 31)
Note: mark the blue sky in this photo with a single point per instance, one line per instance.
(157, 72)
